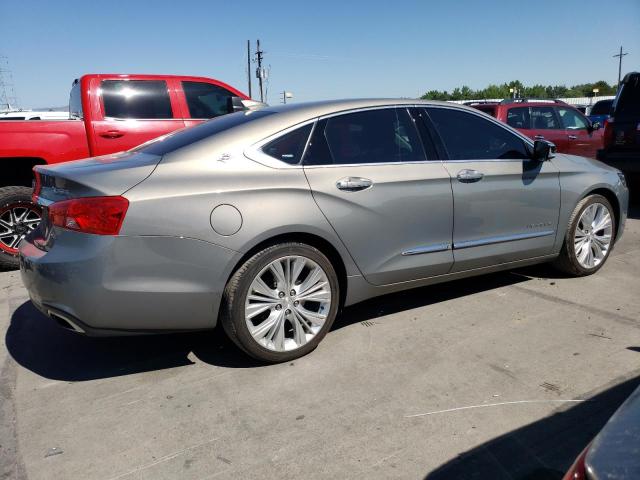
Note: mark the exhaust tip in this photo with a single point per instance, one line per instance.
(64, 321)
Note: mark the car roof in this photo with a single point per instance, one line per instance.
(298, 112)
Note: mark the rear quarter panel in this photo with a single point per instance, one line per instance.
(179, 197)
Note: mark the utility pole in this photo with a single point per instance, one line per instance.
(260, 70)
(249, 65)
(620, 55)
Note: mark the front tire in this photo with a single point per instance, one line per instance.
(281, 302)
(18, 216)
(589, 237)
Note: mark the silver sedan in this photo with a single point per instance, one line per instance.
(269, 221)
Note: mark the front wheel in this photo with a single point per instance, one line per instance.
(18, 216)
(589, 238)
(281, 302)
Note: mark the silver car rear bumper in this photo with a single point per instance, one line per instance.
(101, 285)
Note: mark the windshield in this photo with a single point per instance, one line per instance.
(173, 141)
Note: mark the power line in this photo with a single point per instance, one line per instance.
(620, 55)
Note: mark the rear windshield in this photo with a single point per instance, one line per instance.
(628, 101)
(603, 107)
(169, 143)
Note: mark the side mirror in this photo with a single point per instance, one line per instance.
(543, 150)
(595, 126)
(234, 104)
(237, 104)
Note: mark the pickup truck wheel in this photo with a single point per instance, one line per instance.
(18, 216)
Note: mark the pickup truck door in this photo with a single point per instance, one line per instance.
(131, 112)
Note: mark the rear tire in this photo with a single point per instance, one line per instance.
(281, 302)
(583, 254)
(18, 216)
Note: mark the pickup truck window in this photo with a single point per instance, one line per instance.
(544, 118)
(173, 141)
(75, 101)
(206, 100)
(141, 99)
(518, 117)
(572, 120)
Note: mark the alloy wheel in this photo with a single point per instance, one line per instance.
(16, 221)
(287, 303)
(593, 235)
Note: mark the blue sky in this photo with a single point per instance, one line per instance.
(319, 49)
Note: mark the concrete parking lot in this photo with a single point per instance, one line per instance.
(503, 376)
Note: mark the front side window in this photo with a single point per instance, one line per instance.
(572, 120)
(206, 100)
(470, 137)
(143, 99)
(518, 117)
(289, 147)
(544, 118)
(373, 136)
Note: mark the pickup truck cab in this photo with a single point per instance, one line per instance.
(108, 113)
(553, 120)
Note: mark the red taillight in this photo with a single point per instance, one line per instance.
(578, 470)
(98, 215)
(37, 186)
(607, 136)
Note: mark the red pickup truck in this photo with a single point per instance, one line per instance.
(107, 114)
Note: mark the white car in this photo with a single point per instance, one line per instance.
(34, 115)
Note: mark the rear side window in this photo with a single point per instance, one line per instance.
(289, 147)
(572, 120)
(544, 118)
(75, 101)
(518, 117)
(373, 136)
(144, 99)
(206, 100)
(470, 137)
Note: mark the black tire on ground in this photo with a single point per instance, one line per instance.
(232, 314)
(567, 261)
(10, 196)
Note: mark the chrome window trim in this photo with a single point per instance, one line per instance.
(437, 247)
(501, 239)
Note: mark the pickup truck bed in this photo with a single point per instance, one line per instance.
(108, 113)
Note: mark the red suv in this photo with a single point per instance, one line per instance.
(568, 128)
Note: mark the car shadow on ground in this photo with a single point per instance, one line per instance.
(543, 450)
(37, 343)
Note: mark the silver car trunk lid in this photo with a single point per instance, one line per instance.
(106, 175)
